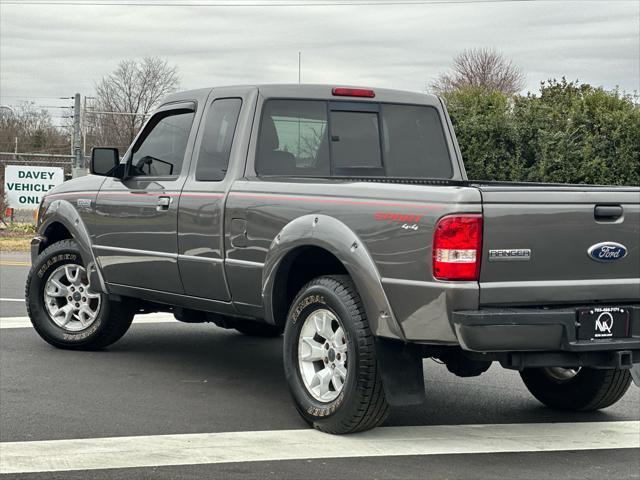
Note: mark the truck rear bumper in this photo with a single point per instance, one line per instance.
(535, 330)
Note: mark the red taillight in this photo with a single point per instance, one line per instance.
(457, 247)
(353, 92)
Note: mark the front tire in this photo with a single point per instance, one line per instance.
(330, 360)
(584, 389)
(63, 308)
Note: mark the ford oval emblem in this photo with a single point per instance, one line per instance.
(607, 252)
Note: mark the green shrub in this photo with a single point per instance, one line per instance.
(568, 133)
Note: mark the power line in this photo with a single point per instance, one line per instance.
(33, 105)
(29, 97)
(294, 3)
(99, 112)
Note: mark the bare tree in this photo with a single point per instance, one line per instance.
(33, 128)
(483, 68)
(132, 90)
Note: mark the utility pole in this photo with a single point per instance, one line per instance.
(84, 127)
(299, 66)
(78, 169)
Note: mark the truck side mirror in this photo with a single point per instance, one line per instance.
(104, 161)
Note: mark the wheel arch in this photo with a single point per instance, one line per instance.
(53, 233)
(299, 266)
(62, 221)
(323, 245)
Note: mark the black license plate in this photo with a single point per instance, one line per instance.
(598, 323)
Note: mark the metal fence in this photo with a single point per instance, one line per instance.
(33, 159)
(40, 160)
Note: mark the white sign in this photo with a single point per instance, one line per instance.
(25, 186)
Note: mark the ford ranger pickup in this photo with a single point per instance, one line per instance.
(344, 218)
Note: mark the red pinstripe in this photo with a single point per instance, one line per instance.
(281, 197)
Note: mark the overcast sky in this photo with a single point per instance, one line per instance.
(56, 50)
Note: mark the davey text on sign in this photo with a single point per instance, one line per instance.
(25, 185)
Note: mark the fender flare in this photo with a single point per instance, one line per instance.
(62, 211)
(334, 236)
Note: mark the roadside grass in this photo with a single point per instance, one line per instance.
(16, 237)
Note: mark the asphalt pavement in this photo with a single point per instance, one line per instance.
(13, 276)
(170, 378)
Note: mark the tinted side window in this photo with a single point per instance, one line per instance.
(215, 149)
(293, 139)
(161, 151)
(414, 141)
(355, 143)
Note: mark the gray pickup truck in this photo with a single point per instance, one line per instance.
(343, 217)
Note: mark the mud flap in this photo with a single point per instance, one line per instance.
(400, 367)
(635, 374)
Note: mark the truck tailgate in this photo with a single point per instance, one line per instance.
(559, 225)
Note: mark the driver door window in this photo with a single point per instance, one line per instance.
(160, 153)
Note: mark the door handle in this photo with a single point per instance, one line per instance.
(607, 213)
(163, 203)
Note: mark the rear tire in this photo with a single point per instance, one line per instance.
(96, 324)
(589, 389)
(330, 359)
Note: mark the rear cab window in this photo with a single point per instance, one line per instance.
(306, 138)
(414, 142)
(355, 143)
(293, 139)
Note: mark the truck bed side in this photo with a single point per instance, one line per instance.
(394, 223)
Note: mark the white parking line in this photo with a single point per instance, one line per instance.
(12, 300)
(24, 322)
(212, 448)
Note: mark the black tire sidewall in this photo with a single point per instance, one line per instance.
(575, 394)
(310, 299)
(57, 255)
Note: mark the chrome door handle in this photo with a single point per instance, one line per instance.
(163, 203)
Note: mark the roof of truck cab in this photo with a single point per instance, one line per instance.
(312, 91)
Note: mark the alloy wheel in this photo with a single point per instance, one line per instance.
(68, 298)
(322, 355)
